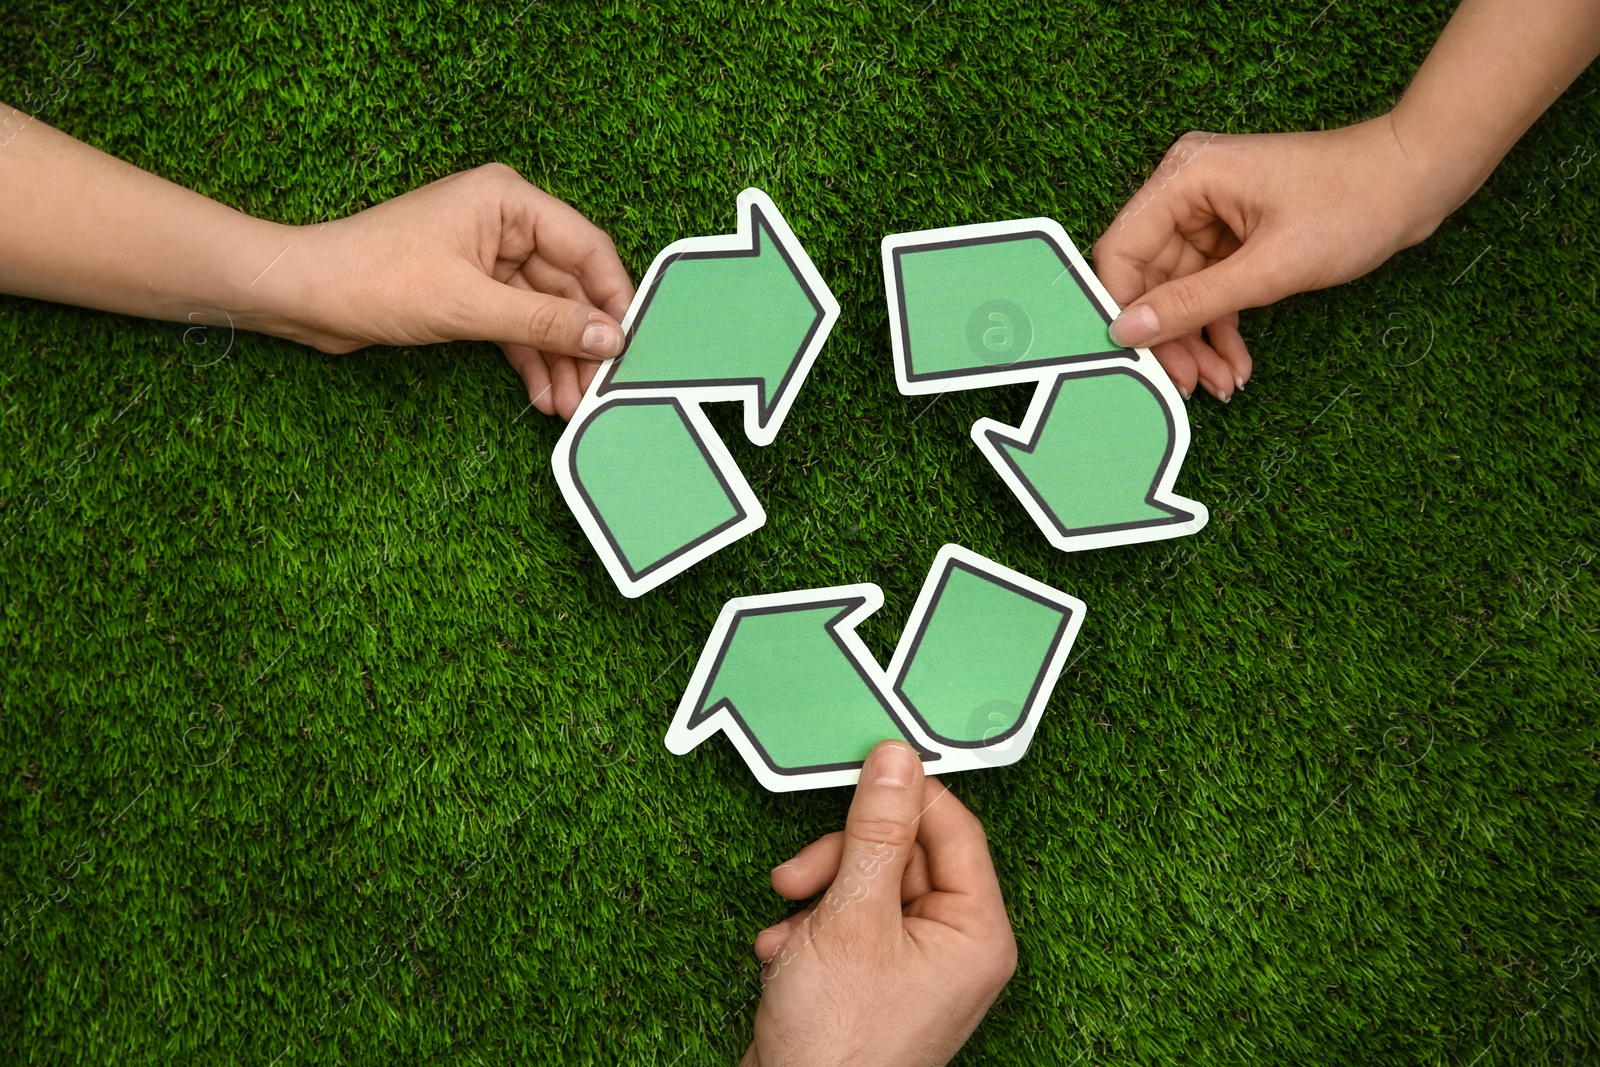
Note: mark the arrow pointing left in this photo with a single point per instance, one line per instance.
(1093, 462)
(786, 677)
(803, 700)
(740, 317)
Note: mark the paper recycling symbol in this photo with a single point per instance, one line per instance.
(742, 318)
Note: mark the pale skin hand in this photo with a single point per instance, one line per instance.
(1232, 222)
(478, 256)
(910, 944)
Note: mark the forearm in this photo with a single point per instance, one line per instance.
(1496, 68)
(85, 228)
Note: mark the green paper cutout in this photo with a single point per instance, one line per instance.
(1095, 460)
(977, 661)
(1101, 443)
(723, 318)
(803, 700)
(797, 691)
(732, 318)
(649, 480)
(1006, 301)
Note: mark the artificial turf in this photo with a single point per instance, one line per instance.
(328, 740)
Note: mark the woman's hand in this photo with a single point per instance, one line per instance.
(1231, 222)
(1235, 222)
(481, 255)
(478, 256)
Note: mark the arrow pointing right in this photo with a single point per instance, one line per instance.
(735, 317)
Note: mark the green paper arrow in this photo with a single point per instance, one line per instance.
(738, 316)
(734, 317)
(799, 692)
(999, 303)
(645, 472)
(786, 678)
(977, 307)
(1092, 457)
(976, 655)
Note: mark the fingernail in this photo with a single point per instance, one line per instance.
(1184, 391)
(1225, 397)
(1238, 381)
(1135, 326)
(601, 339)
(782, 866)
(895, 764)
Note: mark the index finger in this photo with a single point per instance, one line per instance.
(570, 241)
(1151, 223)
(958, 850)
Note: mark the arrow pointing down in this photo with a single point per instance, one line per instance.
(1094, 460)
(998, 303)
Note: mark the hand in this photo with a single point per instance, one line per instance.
(901, 958)
(1231, 222)
(482, 256)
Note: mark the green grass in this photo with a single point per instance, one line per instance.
(342, 748)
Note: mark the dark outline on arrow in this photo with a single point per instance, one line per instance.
(846, 606)
(1176, 515)
(1038, 679)
(764, 405)
(968, 242)
(605, 527)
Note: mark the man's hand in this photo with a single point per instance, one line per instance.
(482, 255)
(904, 953)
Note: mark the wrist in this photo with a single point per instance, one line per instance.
(250, 283)
(288, 283)
(1441, 174)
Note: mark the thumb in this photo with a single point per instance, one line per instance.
(1184, 305)
(880, 833)
(507, 315)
